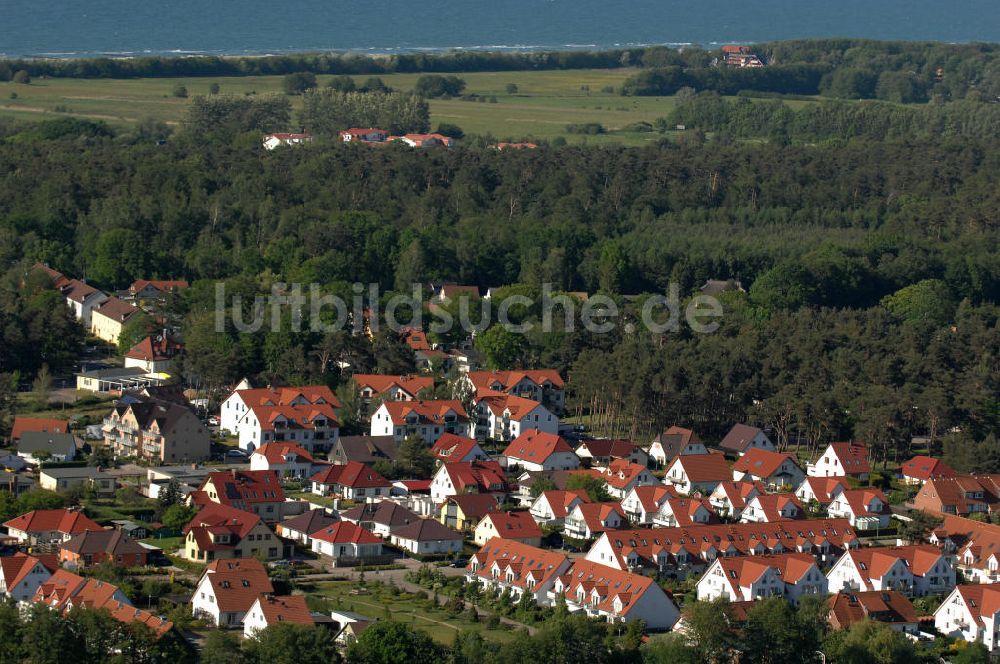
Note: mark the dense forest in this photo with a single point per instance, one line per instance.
(865, 237)
(842, 68)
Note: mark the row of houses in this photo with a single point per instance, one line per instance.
(362, 136)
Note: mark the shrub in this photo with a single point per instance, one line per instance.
(590, 128)
(180, 91)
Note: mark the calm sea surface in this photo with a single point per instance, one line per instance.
(126, 27)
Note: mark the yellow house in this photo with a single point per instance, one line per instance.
(219, 531)
(464, 512)
(109, 319)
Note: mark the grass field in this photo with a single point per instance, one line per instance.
(546, 101)
(407, 609)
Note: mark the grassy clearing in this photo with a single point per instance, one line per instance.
(407, 609)
(545, 102)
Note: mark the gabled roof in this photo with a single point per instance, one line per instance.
(162, 285)
(214, 515)
(874, 563)
(685, 509)
(16, 568)
(284, 609)
(522, 559)
(426, 412)
(309, 522)
(514, 525)
(352, 474)
(762, 463)
(368, 449)
(561, 502)
(237, 582)
(451, 446)
(824, 487)
(652, 496)
(772, 504)
(155, 348)
(111, 542)
(675, 435)
(384, 513)
(740, 437)
(704, 467)
(859, 499)
(980, 599)
(620, 473)
(536, 446)
(742, 571)
(740, 492)
(77, 290)
(615, 449)
(63, 521)
(345, 532)
(610, 583)
(925, 468)
(501, 404)
(116, 309)
(480, 476)
(24, 424)
(54, 443)
(285, 396)
(886, 606)
(507, 380)
(411, 384)
(596, 515)
(475, 505)
(853, 457)
(247, 486)
(427, 530)
(279, 453)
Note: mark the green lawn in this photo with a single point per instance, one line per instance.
(546, 101)
(168, 544)
(407, 609)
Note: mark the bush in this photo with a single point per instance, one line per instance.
(299, 82)
(493, 622)
(450, 130)
(434, 85)
(511, 88)
(591, 128)
(21, 76)
(180, 91)
(213, 89)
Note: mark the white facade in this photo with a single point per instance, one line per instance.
(427, 547)
(714, 584)
(955, 618)
(294, 467)
(27, 584)
(541, 511)
(555, 461)
(382, 425)
(505, 427)
(840, 508)
(657, 454)
(348, 549)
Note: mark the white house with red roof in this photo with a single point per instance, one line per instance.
(820, 489)
(42, 527)
(518, 526)
(972, 613)
(451, 447)
(503, 416)
(545, 386)
(588, 520)
(219, 531)
(363, 135)
(21, 575)
(155, 289)
(615, 595)
(520, 568)
(427, 419)
(866, 509)
(272, 141)
(771, 507)
(730, 498)
(840, 460)
(919, 469)
(456, 478)
(746, 578)
(621, 476)
(552, 507)
(539, 450)
(742, 438)
(423, 140)
(288, 460)
(774, 469)
(227, 589)
(270, 610)
(697, 472)
(82, 298)
(915, 570)
(643, 502)
(306, 415)
(346, 540)
(154, 354)
(353, 481)
(684, 512)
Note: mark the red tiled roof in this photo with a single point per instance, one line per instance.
(222, 517)
(481, 476)
(157, 348)
(536, 446)
(620, 473)
(42, 424)
(298, 417)
(514, 525)
(160, 285)
(380, 384)
(739, 437)
(853, 457)
(278, 453)
(860, 499)
(609, 583)
(63, 521)
(451, 446)
(740, 492)
(761, 463)
(522, 559)
(284, 396)
(596, 515)
(248, 486)
(353, 474)
(925, 468)
(116, 309)
(874, 563)
(507, 380)
(823, 487)
(427, 412)
(980, 599)
(237, 582)
(652, 496)
(887, 606)
(475, 505)
(561, 502)
(285, 609)
(772, 505)
(741, 571)
(344, 532)
(16, 568)
(501, 404)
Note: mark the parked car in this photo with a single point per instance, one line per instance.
(236, 454)
(213, 421)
